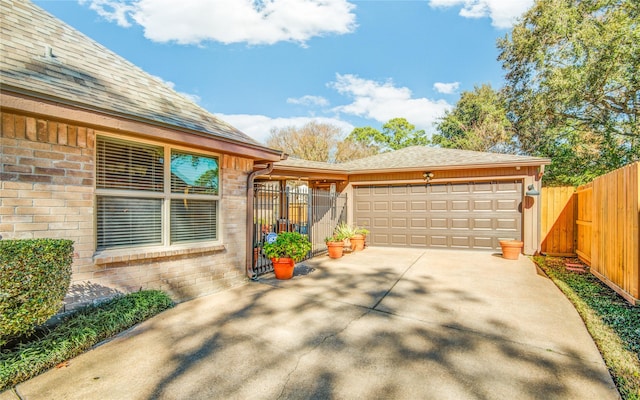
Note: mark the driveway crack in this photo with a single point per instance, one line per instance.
(397, 280)
(324, 339)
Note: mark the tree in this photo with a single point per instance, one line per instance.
(314, 141)
(573, 84)
(478, 122)
(350, 149)
(396, 134)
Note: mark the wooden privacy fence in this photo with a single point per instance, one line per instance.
(612, 248)
(558, 210)
(600, 223)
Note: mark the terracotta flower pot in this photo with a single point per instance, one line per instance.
(357, 242)
(511, 249)
(283, 267)
(336, 249)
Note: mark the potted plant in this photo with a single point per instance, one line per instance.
(357, 239)
(344, 231)
(335, 246)
(287, 249)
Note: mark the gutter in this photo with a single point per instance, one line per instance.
(340, 170)
(249, 228)
(220, 135)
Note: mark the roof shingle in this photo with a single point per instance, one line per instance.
(419, 157)
(436, 157)
(42, 56)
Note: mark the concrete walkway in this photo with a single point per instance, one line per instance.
(379, 324)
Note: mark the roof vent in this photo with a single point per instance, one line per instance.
(48, 51)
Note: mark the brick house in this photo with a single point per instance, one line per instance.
(150, 187)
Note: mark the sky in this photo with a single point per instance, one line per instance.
(267, 64)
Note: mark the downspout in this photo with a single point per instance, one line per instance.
(250, 194)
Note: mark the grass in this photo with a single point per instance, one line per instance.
(613, 323)
(77, 333)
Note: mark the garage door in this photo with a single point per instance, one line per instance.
(475, 215)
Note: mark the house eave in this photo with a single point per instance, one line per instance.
(311, 174)
(42, 105)
(342, 173)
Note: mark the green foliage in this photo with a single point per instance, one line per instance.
(346, 231)
(613, 323)
(396, 134)
(572, 85)
(288, 245)
(77, 333)
(35, 275)
(343, 231)
(333, 239)
(478, 122)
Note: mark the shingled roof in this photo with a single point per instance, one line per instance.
(438, 158)
(41, 56)
(419, 157)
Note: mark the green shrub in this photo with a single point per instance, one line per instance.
(344, 231)
(78, 333)
(288, 244)
(35, 275)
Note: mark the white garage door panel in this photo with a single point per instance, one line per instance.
(460, 215)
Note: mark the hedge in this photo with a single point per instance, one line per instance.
(77, 333)
(35, 275)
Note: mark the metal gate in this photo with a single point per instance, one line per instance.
(311, 212)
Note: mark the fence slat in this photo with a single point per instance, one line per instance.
(600, 223)
(608, 220)
(584, 222)
(558, 216)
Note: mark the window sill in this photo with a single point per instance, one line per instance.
(128, 255)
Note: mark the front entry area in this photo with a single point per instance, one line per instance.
(466, 215)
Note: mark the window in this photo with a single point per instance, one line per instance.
(144, 201)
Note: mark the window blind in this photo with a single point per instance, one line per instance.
(133, 204)
(127, 222)
(193, 220)
(128, 165)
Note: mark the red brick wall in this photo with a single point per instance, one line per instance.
(47, 190)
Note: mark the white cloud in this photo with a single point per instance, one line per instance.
(384, 101)
(309, 101)
(111, 10)
(446, 88)
(231, 21)
(259, 126)
(503, 13)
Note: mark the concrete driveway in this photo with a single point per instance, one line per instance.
(379, 324)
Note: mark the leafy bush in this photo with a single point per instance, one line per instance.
(77, 333)
(35, 275)
(289, 245)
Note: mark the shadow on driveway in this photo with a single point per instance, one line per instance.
(378, 324)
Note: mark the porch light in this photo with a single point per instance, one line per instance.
(531, 191)
(427, 176)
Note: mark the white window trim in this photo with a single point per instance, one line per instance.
(165, 249)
